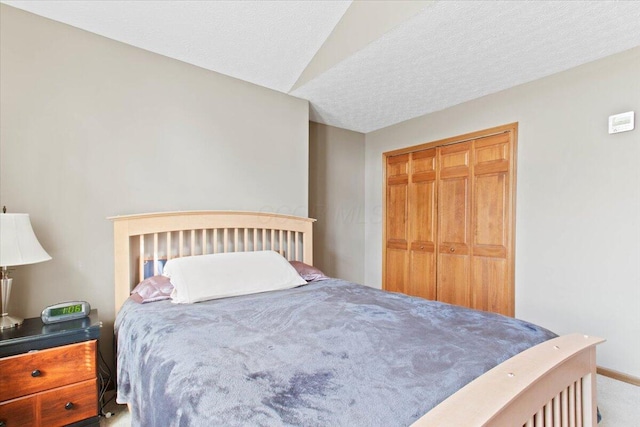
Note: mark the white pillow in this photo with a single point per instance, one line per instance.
(205, 277)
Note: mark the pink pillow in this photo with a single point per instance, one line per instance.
(308, 272)
(155, 288)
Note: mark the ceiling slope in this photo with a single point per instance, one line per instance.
(268, 43)
(363, 23)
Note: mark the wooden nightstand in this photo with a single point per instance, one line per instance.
(48, 373)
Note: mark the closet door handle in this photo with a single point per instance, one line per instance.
(452, 249)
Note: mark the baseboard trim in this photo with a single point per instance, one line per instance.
(618, 376)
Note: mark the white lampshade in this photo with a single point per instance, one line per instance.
(18, 242)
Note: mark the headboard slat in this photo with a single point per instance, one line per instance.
(255, 239)
(155, 253)
(141, 257)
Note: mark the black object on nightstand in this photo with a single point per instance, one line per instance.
(49, 373)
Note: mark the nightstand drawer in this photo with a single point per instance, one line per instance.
(56, 407)
(69, 404)
(19, 412)
(45, 369)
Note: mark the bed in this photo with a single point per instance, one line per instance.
(330, 352)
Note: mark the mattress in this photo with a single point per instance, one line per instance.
(331, 353)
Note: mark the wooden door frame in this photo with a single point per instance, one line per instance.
(511, 127)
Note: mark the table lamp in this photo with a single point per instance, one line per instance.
(18, 246)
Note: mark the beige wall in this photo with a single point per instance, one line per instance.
(93, 128)
(578, 199)
(336, 200)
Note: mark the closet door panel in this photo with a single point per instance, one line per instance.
(453, 279)
(397, 214)
(453, 211)
(489, 292)
(490, 210)
(395, 270)
(491, 204)
(422, 198)
(422, 274)
(397, 201)
(453, 195)
(422, 208)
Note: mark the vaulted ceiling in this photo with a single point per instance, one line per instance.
(365, 65)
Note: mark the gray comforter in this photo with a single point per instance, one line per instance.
(331, 353)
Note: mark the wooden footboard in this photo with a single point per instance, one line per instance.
(550, 385)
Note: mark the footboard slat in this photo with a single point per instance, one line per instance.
(548, 414)
(539, 419)
(565, 408)
(579, 402)
(572, 405)
(531, 389)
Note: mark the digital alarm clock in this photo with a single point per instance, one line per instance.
(64, 311)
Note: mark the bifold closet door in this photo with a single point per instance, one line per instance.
(421, 280)
(411, 224)
(449, 220)
(492, 225)
(454, 221)
(397, 201)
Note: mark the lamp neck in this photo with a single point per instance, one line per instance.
(4, 273)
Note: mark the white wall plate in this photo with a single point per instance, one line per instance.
(622, 122)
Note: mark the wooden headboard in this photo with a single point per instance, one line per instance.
(165, 235)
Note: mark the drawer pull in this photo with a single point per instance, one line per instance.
(2, 424)
(68, 406)
(36, 373)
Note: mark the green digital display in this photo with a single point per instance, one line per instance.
(70, 309)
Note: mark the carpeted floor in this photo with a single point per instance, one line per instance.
(619, 405)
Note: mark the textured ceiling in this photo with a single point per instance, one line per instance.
(453, 52)
(371, 72)
(268, 43)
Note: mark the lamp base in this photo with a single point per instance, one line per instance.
(8, 322)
